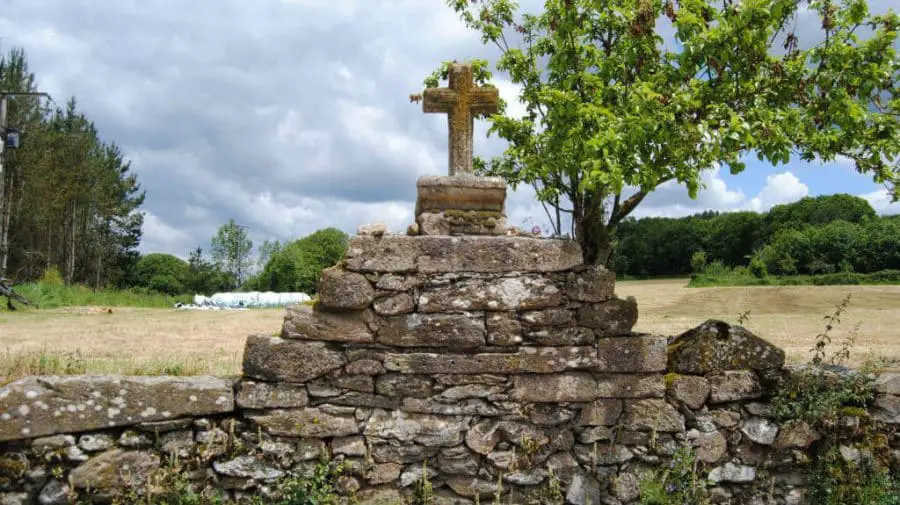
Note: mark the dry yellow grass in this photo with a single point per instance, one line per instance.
(152, 341)
(787, 316)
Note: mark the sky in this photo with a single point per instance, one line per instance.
(293, 115)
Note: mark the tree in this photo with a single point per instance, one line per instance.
(613, 109)
(230, 249)
(204, 277)
(163, 272)
(298, 265)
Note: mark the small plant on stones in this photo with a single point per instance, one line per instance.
(319, 489)
(851, 461)
(423, 493)
(680, 483)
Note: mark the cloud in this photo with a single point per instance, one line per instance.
(881, 202)
(780, 188)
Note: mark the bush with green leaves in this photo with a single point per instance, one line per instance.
(163, 273)
(298, 265)
(682, 482)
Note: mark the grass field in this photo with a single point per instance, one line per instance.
(155, 341)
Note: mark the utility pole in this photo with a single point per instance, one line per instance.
(5, 203)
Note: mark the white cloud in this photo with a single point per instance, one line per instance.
(881, 202)
(780, 188)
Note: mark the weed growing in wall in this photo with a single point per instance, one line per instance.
(682, 482)
(851, 461)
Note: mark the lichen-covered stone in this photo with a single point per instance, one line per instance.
(716, 346)
(441, 254)
(690, 390)
(760, 430)
(394, 305)
(630, 385)
(277, 359)
(391, 282)
(888, 383)
(711, 447)
(591, 284)
(349, 446)
(734, 386)
(548, 317)
(484, 437)
(795, 434)
(38, 406)
(887, 409)
(365, 367)
(560, 336)
(96, 442)
(730, 472)
(503, 329)
(342, 290)
(111, 472)
(526, 360)
(634, 354)
(488, 294)
(247, 467)
(56, 492)
(433, 330)
(612, 318)
(653, 415)
(266, 395)
(404, 386)
(601, 413)
(304, 323)
(555, 388)
(428, 430)
(310, 422)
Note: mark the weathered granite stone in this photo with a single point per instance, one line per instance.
(555, 388)
(247, 467)
(734, 386)
(37, 406)
(307, 422)
(391, 282)
(561, 336)
(503, 328)
(548, 317)
(690, 390)
(760, 430)
(601, 413)
(888, 383)
(506, 293)
(394, 305)
(457, 461)
(711, 447)
(433, 330)
(526, 360)
(402, 453)
(729, 472)
(56, 492)
(266, 395)
(404, 386)
(592, 284)
(346, 485)
(349, 446)
(457, 393)
(96, 442)
(131, 439)
(484, 437)
(887, 409)
(441, 254)
(725, 418)
(583, 490)
(612, 318)
(634, 354)
(177, 443)
(304, 323)
(653, 415)
(630, 385)
(365, 367)
(594, 433)
(795, 434)
(109, 473)
(716, 346)
(459, 191)
(342, 290)
(428, 430)
(157, 427)
(354, 399)
(15, 499)
(384, 473)
(626, 487)
(278, 359)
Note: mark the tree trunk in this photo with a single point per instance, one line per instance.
(5, 208)
(591, 231)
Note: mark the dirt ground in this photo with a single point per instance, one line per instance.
(160, 340)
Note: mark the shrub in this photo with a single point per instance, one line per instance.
(681, 483)
(698, 262)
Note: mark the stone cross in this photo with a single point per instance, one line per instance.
(461, 102)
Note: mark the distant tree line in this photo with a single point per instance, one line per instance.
(68, 199)
(815, 235)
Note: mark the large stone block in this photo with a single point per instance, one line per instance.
(716, 346)
(339, 289)
(652, 415)
(592, 284)
(433, 330)
(734, 386)
(444, 254)
(39, 406)
(601, 413)
(630, 385)
(424, 429)
(267, 395)
(306, 423)
(506, 293)
(526, 360)
(460, 192)
(503, 328)
(302, 322)
(612, 318)
(115, 472)
(277, 359)
(635, 354)
(555, 388)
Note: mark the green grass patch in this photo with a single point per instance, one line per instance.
(742, 277)
(48, 295)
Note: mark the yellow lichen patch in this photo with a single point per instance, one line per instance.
(671, 378)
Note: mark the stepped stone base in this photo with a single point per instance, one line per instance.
(461, 205)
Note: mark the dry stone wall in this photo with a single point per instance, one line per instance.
(488, 366)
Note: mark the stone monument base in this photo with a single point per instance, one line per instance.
(461, 205)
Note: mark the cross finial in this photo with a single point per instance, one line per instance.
(461, 102)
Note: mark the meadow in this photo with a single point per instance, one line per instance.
(129, 340)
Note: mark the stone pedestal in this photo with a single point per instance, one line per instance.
(462, 204)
